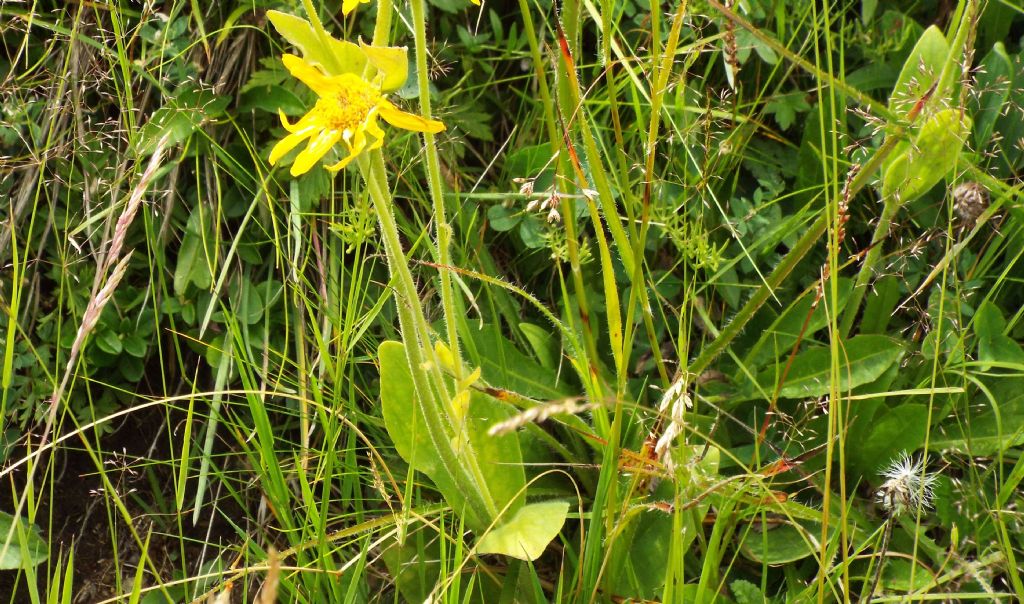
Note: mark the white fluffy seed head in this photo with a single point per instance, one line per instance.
(908, 486)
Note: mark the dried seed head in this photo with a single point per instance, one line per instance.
(970, 199)
(909, 486)
(525, 186)
(674, 402)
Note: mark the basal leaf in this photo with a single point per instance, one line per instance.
(406, 425)
(26, 547)
(498, 459)
(528, 533)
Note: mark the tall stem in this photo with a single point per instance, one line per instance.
(444, 230)
(429, 387)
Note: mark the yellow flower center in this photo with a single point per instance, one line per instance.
(349, 103)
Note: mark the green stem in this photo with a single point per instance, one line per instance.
(417, 345)
(444, 230)
(382, 27)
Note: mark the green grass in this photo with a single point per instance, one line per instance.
(224, 383)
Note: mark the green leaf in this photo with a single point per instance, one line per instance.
(881, 301)
(785, 330)
(404, 421)
(503, 219)
(786, 106)
(497, 458)
(134, 345)
(26, 548)
(936, 149)
(995, 429)
(108, 341)
(746, 592)
(784, 544)
(887, 434)
(864, 359)
(185, 112)
(898, 572)
(193, 267)
(994, 346)
(543, 344)
(528, 533)
(503, 365)
(920, 71)
(994, 76)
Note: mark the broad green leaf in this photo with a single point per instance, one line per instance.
(1009, 126)
(503, 219)
(528, 533)
(994, 346)
(896, 576)
(881, 301)
(543, 343)
(404, 421)
(785, 543)
(108, 341)
(247, 301)
(506, 367)
(185, 111)
(497, 458)
(920, 71)
(193, 266)
(891, 431)
(864, 359)
(746, 592)
(933, 155)
(26, 547)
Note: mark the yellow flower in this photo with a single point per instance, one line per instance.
(348, 6)
(346, 111)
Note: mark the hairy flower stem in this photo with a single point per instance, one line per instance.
(444, 230)
(431, 394)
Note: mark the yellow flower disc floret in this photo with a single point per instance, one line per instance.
(346, 111)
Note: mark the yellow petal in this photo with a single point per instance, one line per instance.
(356, 145)
(305, 122)
(350, 5)
(308, 75)
(341, 164)
(476, 2)
(289, 142)
(407, 121)
(317, 148)
(378, 135)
